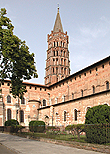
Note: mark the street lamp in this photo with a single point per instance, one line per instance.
(17, 109)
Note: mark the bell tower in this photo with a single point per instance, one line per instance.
(57, 62)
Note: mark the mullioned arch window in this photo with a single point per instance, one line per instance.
(107, 85)
(21, 116)
(8, 114)
(23, 101)
(8, 99)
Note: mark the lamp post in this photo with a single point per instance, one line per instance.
(17, 109)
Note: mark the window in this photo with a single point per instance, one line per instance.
(35, 88)
(65, 71)
(72, 96)
(53, 53)
(65, 62)
(57, 53)
(30, 87)
(54, 43)
(90, 71)
(102, 66)
(57, 44)
(88, 108)
(23, 101)
(85, 74)
(53, 70)
(8, 114)
(61, 61)
(21, 116)
(44, 102)
(82, 93)
(61, 52)
(75, 115)
(56, 70)
(64, 115)
(96, 69)
(61, 43)
(57, 60)
(64, 53)
(93, 90)
(2, 83)
(8, 99)
(107, 85)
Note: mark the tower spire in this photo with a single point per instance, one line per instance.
(58, 7)
(58, 24)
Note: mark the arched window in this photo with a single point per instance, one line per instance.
(56, 70)
(75, 115)
(64, 53)
(61, 43)
(64, 115)
(8, 114)
(57, 60)
(57, 53)
(93, 90)
(54, 43)
(82, 93)
(62, 70)
(65, 71)
(72, 96)
(8, 99)
(44, 102)
(61, 52)
(23, 101)
(65, 62)
(88, 108)
(107, 85)
(21, 116)
(53, 69)
(53, 53)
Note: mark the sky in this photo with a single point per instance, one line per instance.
(87, 23)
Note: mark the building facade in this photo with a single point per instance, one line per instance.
(65, 98)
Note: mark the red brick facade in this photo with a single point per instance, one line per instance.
(62, 100)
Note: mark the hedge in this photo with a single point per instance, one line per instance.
(36, 126)
(97, 124)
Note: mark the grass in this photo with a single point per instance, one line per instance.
(65, 137)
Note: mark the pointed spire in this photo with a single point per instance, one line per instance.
(58, 24)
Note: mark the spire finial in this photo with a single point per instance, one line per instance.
(58, 7)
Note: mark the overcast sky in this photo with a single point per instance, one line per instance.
(87, 23)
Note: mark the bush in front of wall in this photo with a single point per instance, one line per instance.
(11, 125)
(37, 126)
(31, 128)
(98, 124)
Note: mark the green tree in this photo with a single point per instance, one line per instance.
(16, 62)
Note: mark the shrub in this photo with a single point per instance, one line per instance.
(37, 126)
(31, 128)
(11, 122)
(12, 125)
(97, 128)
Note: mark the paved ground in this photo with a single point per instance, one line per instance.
(28, 146)
(5, 150)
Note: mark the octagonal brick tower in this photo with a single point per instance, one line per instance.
(57, 62)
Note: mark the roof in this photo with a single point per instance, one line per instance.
(58, 24)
